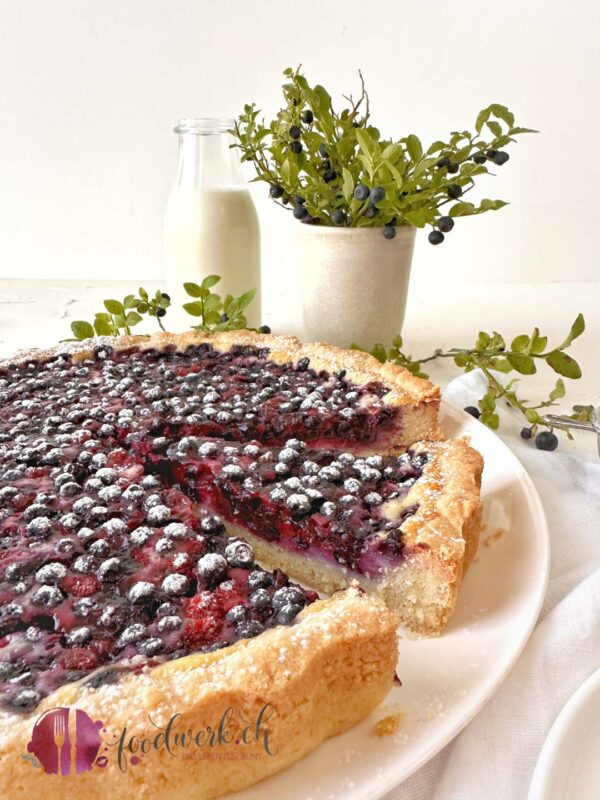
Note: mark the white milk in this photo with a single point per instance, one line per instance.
(210, 225)
(212, 232)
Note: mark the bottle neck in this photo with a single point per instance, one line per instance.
(207, 161)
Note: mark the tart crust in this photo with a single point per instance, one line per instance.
(417, 399)
(319, 677)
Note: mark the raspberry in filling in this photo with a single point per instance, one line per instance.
(115, 474)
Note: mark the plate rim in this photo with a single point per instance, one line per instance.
(387, 786)
(542, 773)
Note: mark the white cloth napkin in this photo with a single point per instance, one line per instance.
(494, 757)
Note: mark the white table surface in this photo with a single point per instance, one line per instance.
(497, 749)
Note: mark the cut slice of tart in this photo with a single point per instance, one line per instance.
(404, 527)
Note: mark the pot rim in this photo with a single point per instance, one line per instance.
(329, 230)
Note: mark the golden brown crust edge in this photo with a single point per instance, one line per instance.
(319, 677)
(441, 538)
(405, 388)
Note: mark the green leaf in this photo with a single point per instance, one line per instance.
(113, 306)
(563, 364)
(558, 391)
(462, 209)
(482, 118)
(522, 363)
(538, 343)
(379, 352)
(245, 299)
(364, 142)
(491, 420)
(397, 341)
(82, 330)
(130, 301)
(210, 281)
(143, 293)
(193, 289)
(577, 328)
(133, 318)
(348, 184)
(520, 343)
(532, 416)
(195, 309)
(103, 327)
(503, 113)
(515, 131)
(414, 147)
(495, 128)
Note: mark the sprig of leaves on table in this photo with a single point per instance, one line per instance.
(334, 167)
(120, 316)
(214, 312)
(494, 358)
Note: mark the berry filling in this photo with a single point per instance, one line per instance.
(111, 553)
(323, 503)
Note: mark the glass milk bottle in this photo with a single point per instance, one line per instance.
(211, 225)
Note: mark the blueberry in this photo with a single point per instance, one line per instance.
(369, 212)
(275, 191)
(296, 147)
(297, 200)
(452, 169)
(546, 440)
(212, 567)
(443, 162)
(258, 579)
(500, 158)
(288, 613)
(479, 159)
(300, 212)
(236, 614)
(338, 217)
(308, 116)
(454, 191)
(491, 153)
(161, 312)
(249, 628)
(389, 231)
(473, 411)
(445, 224)
(377, 194)
(330, 175)
(260, 598)
(436, 237)
(264, 329)
(323, 151)
(361, 192)
(526, 433)
(295, 132)
(288, 594)
(165, 296)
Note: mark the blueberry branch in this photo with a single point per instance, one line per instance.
(491, 355)
(334, 167)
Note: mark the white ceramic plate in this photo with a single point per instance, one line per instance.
(445, 681)
(569, 764)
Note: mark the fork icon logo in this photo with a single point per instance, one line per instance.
(65, 741)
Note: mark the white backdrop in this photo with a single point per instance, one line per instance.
(90, 90)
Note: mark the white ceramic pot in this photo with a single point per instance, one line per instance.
(354, 283)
